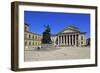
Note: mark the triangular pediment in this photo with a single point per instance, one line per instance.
(70, 29)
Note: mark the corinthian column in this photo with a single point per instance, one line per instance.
(72, 40)
(66, 39)
(63, 39)
(69, 40)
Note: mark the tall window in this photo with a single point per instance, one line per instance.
(33, 43)
(81, 42)
(29, 43)
(33, 36)
(29, 36)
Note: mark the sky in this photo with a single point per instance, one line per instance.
(57, 21)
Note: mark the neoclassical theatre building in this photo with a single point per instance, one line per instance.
(69, 36)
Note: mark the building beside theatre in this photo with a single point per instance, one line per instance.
(69, 36)
(31, 39)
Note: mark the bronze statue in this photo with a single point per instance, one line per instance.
(46, 35)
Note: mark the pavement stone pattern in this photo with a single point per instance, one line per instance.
(61, 53)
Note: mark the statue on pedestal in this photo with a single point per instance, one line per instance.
(46, 35)
(46, 40)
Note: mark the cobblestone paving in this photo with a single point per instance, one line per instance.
(61, 53)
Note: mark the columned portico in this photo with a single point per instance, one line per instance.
(68, 40)
(71, 37)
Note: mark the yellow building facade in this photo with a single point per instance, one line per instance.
(31, 39)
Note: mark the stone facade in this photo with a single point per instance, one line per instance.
(31, 39)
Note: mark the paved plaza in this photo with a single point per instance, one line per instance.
(62, 53)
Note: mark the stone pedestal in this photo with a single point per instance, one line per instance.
(47, 46)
